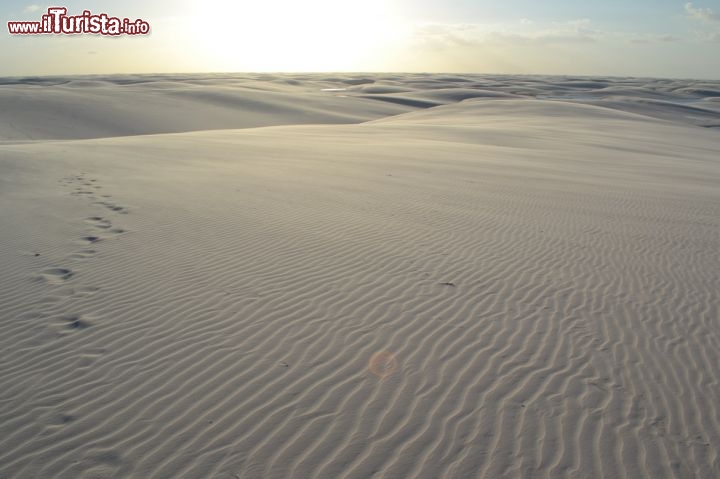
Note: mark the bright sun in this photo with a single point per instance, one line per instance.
(291, 35)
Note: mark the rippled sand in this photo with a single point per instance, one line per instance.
(359, 276)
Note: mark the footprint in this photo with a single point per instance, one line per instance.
(118, 209)
(56, 275)
(90, 239)
(86, 290)
(51, 418)
(113, 207)
(84, 254)
(75, 321)
(98, 222)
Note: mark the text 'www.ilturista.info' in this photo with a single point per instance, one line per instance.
(58, 22)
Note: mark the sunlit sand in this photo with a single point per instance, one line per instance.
(396, 276)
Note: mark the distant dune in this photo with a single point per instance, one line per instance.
(389, 276)
(59, 108)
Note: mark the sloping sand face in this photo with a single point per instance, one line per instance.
(495, 287)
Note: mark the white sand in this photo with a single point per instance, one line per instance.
(538, 256)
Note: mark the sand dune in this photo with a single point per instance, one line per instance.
(494, 287)
(60, 108)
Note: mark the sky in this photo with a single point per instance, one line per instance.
(651, 38)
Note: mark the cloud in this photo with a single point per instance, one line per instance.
(711, 37)
(702, 14)
(439, 36)
(653, 38)
(709, 17)
(31, 8)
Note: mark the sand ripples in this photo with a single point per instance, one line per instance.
(370, 311)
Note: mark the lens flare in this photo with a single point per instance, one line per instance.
(382, 364)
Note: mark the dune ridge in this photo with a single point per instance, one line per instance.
(206, 304)
(97, 106)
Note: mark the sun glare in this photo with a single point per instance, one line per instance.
(312, 35)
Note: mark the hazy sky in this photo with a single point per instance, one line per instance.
(666, 38)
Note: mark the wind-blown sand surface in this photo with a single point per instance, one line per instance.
(377, 276)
